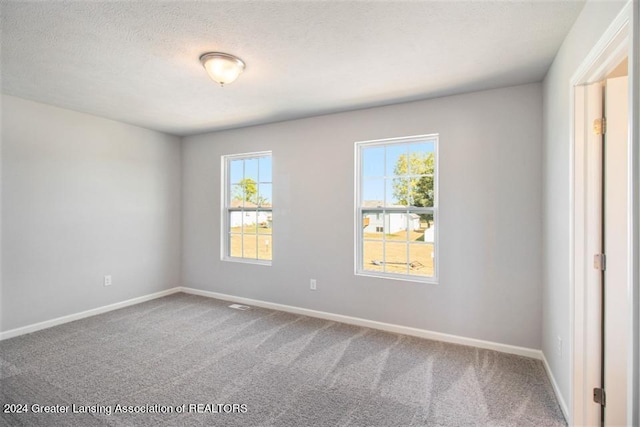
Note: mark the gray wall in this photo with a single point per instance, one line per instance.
(83, 197)
(589, 27)
(490, 215)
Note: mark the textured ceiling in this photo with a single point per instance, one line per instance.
(137, 62)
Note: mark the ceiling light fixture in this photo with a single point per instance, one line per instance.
(222, 67)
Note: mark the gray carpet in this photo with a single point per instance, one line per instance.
(288, 370)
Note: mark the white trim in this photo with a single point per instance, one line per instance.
(389, 327)
(251, 261)
(88, 313)
(556, 389)
(634, 157)
(604, 53)
(606, 50)
(397, 276)
(224, 179)
(399, 139)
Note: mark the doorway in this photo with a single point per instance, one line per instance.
(602, 221)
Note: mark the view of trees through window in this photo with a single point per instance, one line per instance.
(397, 207)
(249, 207)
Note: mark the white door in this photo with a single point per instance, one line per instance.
(593, 244)
(617, 301)
(606, 230)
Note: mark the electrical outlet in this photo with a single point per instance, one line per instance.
(107, 280)
(560, 346)
(312, 285)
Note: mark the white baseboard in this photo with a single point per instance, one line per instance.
(389, 327)
(404, 330)
(556, 389)
(70, 318)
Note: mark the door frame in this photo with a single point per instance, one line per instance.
(619, 40)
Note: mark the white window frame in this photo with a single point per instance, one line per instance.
(226, 209)
(358, 209)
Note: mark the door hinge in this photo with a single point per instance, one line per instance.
(599, 396)
(600, 262)
(600, 126)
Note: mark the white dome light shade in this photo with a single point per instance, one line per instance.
(222, 67)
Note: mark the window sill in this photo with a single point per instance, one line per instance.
(248, 261)
(399, 277)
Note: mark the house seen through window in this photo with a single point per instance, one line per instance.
(396, 185)
(248, 204)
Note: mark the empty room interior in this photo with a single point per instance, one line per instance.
(319, 213)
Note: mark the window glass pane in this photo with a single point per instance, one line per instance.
(265, 222)
(422, 191)
(249, 221)
(373, 161)
(397, 192)
(236, 196)
(421, 249)
(372, 256)
(236, 171)
(396, 257)
(421, 155)
(249, 246)
(413, 195)
(419, 164)
(265, 172)
(397, 160)
(422, 147)
(427, 224)
(264, 195)
(373, 193)
(396, 226)
(264, 247)
(373, 225)
(235, 245)
(417, 226)
(421, 260)
(251, 169)
(235, 222)
(243, 194)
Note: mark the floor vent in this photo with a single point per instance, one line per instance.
(239, 307)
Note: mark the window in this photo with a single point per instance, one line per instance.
(397, 208)
(247, 220)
